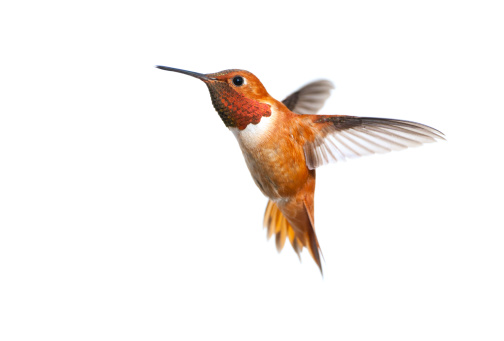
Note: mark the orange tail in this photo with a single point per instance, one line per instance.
(299, 237)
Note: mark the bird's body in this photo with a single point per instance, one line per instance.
(273, 152)
(284, 142)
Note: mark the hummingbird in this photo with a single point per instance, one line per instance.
(283, 143)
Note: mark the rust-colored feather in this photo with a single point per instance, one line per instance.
(281, 234)
(300, 237)
(268, 219)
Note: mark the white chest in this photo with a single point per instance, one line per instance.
(254, 134)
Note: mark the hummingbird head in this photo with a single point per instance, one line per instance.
(237, 95)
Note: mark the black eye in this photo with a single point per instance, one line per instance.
(238, 80)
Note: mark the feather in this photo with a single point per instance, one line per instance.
(310, 98)
(346, 137)
(275, 220)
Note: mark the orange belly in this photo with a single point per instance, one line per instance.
(277, 163)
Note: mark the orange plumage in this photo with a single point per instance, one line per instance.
(284, 142)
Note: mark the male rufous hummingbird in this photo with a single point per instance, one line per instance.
(284, 142)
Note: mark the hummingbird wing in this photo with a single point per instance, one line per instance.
(310, 98)
(338, 138)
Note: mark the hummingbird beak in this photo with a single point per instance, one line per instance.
(201, 76)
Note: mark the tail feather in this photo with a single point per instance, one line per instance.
(269, 218)
(314, 246)
(281, 233)
(276, 223)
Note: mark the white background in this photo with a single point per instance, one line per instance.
(127, 211)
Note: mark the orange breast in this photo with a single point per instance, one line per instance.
(277, 164)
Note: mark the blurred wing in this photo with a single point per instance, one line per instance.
(310, 98)
(345, 137)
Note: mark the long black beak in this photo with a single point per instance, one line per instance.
(185, 72)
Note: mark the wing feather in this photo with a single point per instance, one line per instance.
(310, 98)
(346, 137)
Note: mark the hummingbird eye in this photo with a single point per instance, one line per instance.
(238, 80)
